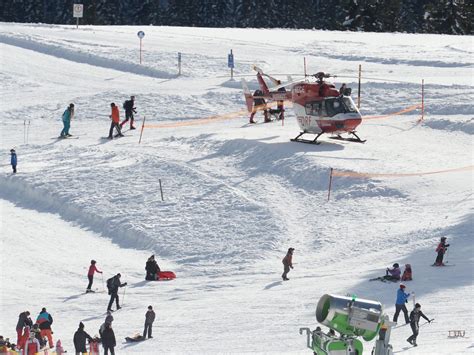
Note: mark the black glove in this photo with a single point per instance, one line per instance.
(406, 301)
(125, 284)
(447, 245)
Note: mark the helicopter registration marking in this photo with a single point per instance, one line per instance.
(304, 120)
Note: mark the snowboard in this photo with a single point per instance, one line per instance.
(166, 275)
(135, 338)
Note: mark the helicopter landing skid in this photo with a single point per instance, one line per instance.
(309, 141)
(350, 139)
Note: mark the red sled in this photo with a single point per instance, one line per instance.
(166, 275)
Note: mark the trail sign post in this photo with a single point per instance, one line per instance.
(77, 12)
(230, 64)
(140, 35)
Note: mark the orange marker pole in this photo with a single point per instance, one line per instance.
(422, 99)
(358, 90)
(330, 184)
(141, 132)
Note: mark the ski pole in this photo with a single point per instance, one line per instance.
(103, 284)
(447, 251)
(414, 300)
(123, 297)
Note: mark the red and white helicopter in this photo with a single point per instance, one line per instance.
(319, 107)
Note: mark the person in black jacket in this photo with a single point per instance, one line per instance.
(23, 321)
(415, 323)
(113, 285)
(108, 340)
(149, 319)
(80, 337)
(129, 107)
(152, 269)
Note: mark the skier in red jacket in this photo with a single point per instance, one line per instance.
(90, 275)
(441, 250)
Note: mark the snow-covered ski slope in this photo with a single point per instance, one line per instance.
(236, 197)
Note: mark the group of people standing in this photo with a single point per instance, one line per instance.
(130, 110)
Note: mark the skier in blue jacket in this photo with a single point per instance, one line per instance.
(13, 160)
(67, 116)
(402, 298)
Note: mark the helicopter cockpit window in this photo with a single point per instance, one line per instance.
(334, 106)
(350, 106)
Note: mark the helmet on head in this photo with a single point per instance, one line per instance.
(93, 261)
(443, 238)
(417, 305)
(402, 286)
(396, 265)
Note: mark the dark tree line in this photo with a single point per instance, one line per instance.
(412, 16)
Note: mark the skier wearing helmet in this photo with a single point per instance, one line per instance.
(402, 298)
(90, 275)
(441, 250)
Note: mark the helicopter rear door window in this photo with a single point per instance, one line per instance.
(315, 109)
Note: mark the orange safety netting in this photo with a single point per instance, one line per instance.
(408, 109)
(215, 118)
(335, 172)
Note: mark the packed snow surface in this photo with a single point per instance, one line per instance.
(235, 196)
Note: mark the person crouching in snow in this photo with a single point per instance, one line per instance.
(407, 274)
(441, 250)
(115, 117)
(13, 160)
(90, 275)
(152, 269)
(287, 263)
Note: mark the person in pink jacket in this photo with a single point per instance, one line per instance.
(90, 275)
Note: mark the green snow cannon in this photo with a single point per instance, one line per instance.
(350, 316)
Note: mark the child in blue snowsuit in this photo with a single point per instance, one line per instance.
(67, 115)
(13, 160)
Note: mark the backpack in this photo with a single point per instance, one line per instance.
(110, 284)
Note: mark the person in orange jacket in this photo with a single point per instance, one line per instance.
(287, 263)
(115, 117)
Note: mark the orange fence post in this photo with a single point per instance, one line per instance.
(422, 99)
(358, 89)
(330, 184)
(141, 132)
